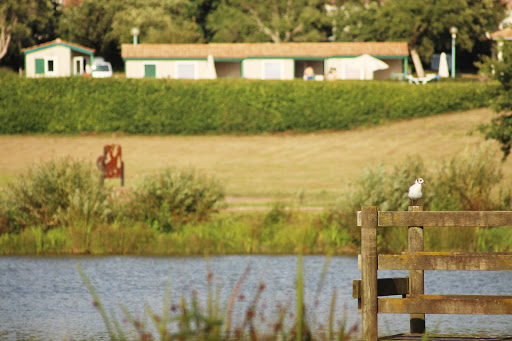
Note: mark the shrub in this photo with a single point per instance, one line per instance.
(500, 128)
(56, 193)
(465, 182)
(6, 72)
(135, 106)
(173, 197)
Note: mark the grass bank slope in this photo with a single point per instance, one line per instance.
(261, 168)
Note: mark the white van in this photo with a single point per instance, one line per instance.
(101, 68)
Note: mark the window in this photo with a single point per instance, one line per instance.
(272, 70)
(150, 70)
(186, 70)
(39, 66)
(51, 66)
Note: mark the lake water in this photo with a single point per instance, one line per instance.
(44, 298)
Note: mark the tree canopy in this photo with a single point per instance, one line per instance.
(424, 25)
(23, 23)
(500, 128)
(277, 21)
(104, 25)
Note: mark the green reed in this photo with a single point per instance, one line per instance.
(238, 233)
(188, 320)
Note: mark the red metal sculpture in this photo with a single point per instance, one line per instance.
(110, 162)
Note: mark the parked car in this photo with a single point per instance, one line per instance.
(101, 68)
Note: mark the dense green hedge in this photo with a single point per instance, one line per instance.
(74, 105)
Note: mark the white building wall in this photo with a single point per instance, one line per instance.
(164, 68)
(61, 56)
(202, 69)
(254, 68)
(135, 68)
(335, 63)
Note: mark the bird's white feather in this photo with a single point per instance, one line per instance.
(415, 189)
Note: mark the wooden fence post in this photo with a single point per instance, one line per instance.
(416, 279)
(369, 311)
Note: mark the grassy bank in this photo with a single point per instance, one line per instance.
(275, 232)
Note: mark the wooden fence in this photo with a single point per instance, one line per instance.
(411, 288)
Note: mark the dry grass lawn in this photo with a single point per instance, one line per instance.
(262, 168)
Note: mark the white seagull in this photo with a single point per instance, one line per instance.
(415, 191)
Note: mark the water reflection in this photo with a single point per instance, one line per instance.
(45, 299)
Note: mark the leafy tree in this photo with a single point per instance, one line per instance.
(240, 27)
(351, 18)
(424, 24)
(89, 23)
(277, 21)
(500, 128)
(22, 23)
(109, 24)
(199, 10)
(159, 21)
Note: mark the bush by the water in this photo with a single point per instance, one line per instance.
(56, 193)
(69, 193)
(467, 182)
(173, 197)
(139, 106)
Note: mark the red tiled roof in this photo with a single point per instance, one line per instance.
(505, 33)
(57, 41)
(244, 50)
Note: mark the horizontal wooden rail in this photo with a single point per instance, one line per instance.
(413, 301)
(447, 304)
(443, 218)
(385, 287)
(498, 261)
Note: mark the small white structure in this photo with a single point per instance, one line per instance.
(284, 61)
(443, 66)
(58, 58)
(211, 73)
(362, 67)
(501, 36)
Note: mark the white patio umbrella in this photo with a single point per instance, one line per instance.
(368, 65)
(211, 73)
(443, 66)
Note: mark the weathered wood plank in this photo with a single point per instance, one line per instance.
(416, 279)
(446, 218)
(488, 261)
(385, 287)
(369, 273)
(447, 304)
(446, 261)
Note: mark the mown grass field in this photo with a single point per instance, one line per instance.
(256, 170)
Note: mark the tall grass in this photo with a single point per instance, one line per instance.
(188, 319)
(238, 233)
